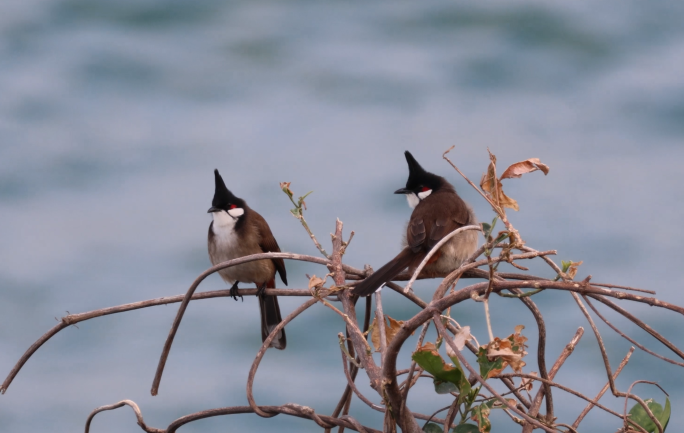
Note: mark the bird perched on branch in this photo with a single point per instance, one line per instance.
(437, 211)
(237, 231)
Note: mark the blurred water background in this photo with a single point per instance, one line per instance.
(115, 112)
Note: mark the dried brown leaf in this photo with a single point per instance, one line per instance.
(572, 270)
(315, 282)
(492, 186)
(522, 167)
(510, 349)
(391, 328)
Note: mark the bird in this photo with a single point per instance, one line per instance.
(236, 231)
(437, 211)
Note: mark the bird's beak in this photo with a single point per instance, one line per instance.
(213, 209)
(403, 191)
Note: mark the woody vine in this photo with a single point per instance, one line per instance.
(495, 374)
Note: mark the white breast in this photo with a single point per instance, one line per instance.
(224, 230)
(412, 200)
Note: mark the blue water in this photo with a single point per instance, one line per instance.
(114, 113)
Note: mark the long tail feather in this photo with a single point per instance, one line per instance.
(270, 318)
(403, 260)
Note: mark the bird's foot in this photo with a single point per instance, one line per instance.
(261, 289)
(234, 292)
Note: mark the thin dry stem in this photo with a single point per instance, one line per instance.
(266, 344)
(184, 305)
(442, 330)
(380, 322)
(628, 338)
(132, 405)
(591, 405)
(434, 249)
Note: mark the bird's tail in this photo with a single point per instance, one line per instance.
(270, 318)
(391, 269)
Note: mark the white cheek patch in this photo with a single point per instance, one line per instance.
(223, 221)
(412, 199)
(238, 211)
(424, 194)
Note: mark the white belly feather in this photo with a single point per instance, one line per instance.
(226, 245)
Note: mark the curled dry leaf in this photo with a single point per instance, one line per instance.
(492, 186)
(572, 270)
(460, 339)
(315, 282)
(511, 350)
(522, 167)
(391, 328)
(285, 186)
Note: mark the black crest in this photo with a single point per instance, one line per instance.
(419, 177)
(222, 195)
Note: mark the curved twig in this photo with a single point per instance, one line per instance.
(285, 409)
(628, 338)
(629, 392)
(436, 319)
(434, 249)
(345, 400)
(352, 385)
(561, 387)
(640, 324)
(184, 305)
(606, 362)
(133, 406)
(262, 351)
(603, 390)
(72, 319)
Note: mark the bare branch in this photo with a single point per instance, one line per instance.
(603, 390)
(184, 305)
(567, 351)
(438, 323)
(352, 385)
(628, 338)
(640, 324)
(72, 319)
(380, 322)
(130, 403)
(262, 351)
(561, 387)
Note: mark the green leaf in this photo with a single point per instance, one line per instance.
(486, 228)
(448, 378)
(445, 387)
(481, 416)
(500, 238)
(637, 414)
(464, 386)
(487, 366)
(431, 427)
(465, 428)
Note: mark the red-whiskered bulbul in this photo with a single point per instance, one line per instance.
(237, 231)
(437, 211)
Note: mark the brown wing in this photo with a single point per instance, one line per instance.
(437, 216)
(415, 233)
(268, 244)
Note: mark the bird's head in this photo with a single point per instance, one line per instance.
(225, 204)
(420, 183)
